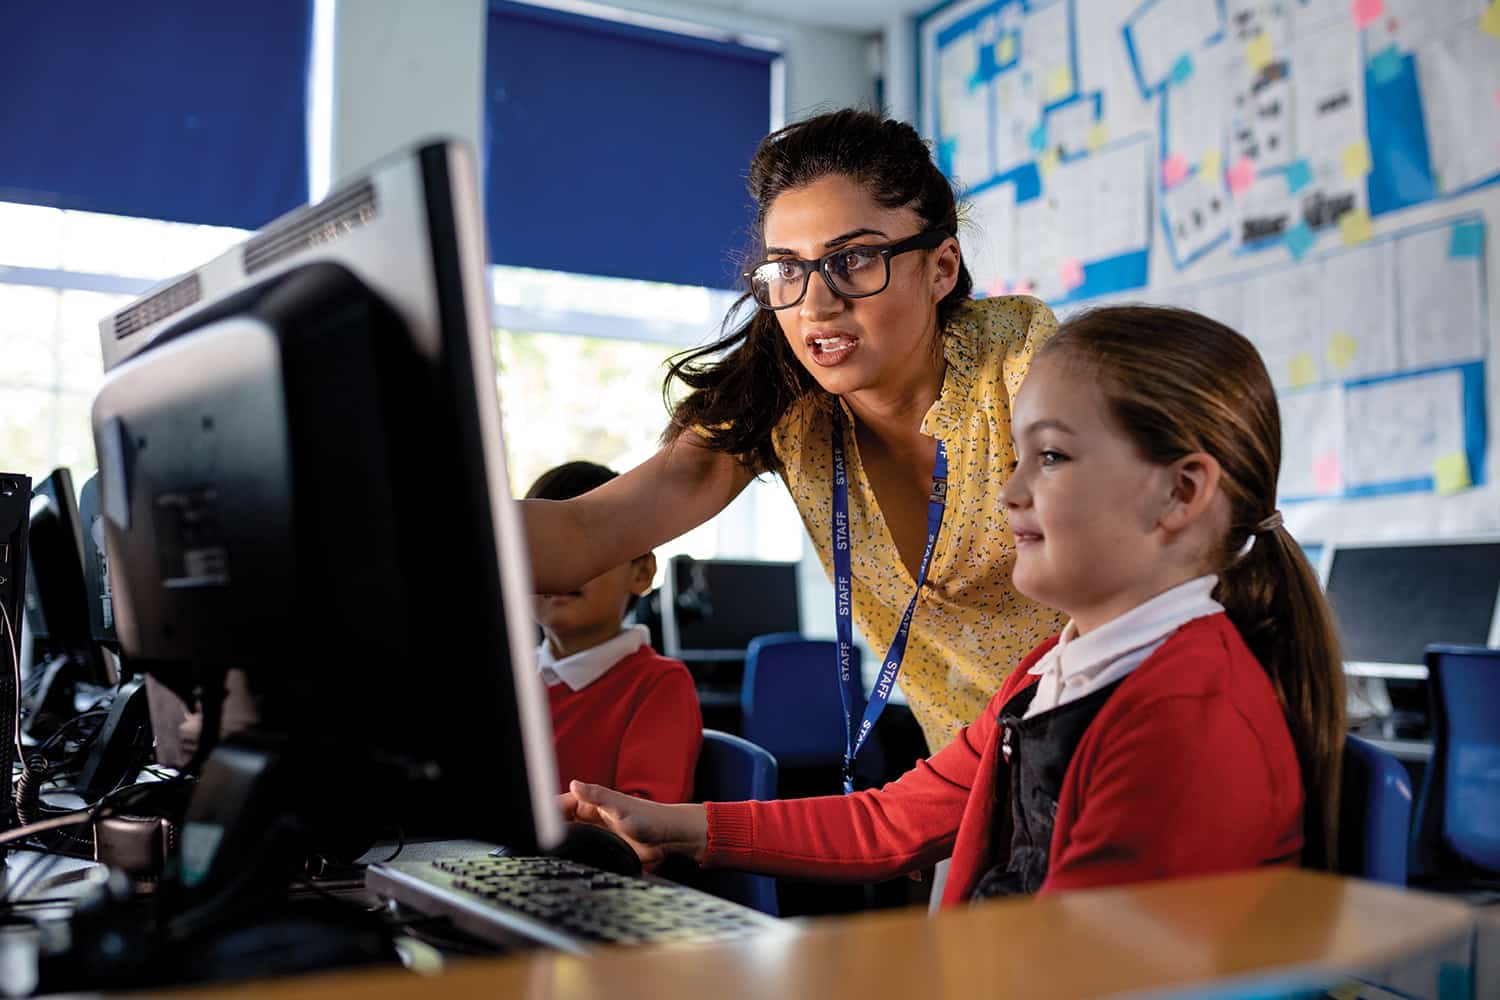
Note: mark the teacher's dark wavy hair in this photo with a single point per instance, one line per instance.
(742, 384)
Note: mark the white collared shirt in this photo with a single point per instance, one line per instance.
(584, 668)
(1082, 664)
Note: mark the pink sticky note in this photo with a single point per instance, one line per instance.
(1241, 175)
(1366, 11)
(1173, 169)
(998, 287)
(1326, 474)
(1072, 273)
(1024, 288)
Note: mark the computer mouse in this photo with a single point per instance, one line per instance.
(597, 847)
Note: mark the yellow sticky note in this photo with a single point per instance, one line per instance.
(1005, 49)
(1059, 83)
(1451, 473)
(1341, 350)
(1356, 227)
(1357, 160)
(1489, 21)
(1304, 370)
(1048, 162)
(1259, 53)
(1211, 165)
(1098, 136)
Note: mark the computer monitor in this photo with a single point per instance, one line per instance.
(65, 652)
(302, 477)
(15, 521)
(712, 608)
(1392, 599)
(96, 566)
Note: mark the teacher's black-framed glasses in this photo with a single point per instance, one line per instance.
(851, 272)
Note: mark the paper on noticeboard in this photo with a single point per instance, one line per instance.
(1442, 314)
(1165, 30)
(1459, 75)
(1196, 214)
(1312, 442)
(1197, 117)
(989, 239)
(1282, 319)
(1397, 430)
(1358, 312)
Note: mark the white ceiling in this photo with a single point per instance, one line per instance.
(860, 16)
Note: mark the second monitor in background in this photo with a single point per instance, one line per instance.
(1393, 599)
(1390, 601)
(65, 653)
(712, 608)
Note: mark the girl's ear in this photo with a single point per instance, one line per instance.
(1194, 482)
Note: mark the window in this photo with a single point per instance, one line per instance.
(582, 361)
(60, 273)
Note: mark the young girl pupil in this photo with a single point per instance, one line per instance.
(1188, 718)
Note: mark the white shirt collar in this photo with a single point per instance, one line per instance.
(1081, 664)
(584, 668)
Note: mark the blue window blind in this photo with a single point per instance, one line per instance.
(617, 150)
(161, 109)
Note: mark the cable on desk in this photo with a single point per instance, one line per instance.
(104, 807)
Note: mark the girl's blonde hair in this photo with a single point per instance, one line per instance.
(1179, 383)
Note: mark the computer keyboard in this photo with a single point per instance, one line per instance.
(561, 904)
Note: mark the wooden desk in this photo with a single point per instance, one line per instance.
(1286, 925)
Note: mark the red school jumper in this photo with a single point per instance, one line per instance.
(636, 729)
(1188, 769)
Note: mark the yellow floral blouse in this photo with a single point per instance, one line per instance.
(971, 627)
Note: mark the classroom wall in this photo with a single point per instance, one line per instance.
(1323, 175)
(404, 72)
(825, 68)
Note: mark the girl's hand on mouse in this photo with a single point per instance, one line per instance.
(654, 829)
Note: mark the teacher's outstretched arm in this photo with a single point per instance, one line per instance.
(674, 491)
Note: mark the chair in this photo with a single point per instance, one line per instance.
(790, 701)
(1374, 814)
(731, 769)
(1456, 836)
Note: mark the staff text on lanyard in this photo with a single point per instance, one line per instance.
(849, 685)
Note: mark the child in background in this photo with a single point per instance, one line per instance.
(1187, 721)
(622, 715)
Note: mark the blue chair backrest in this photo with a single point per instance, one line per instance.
(1458, 816)
(731, 769)
(1374, 814)
(790, 701)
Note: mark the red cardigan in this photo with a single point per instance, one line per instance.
(637, 728)
(1188, 769)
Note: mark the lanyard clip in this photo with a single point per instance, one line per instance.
(848, 775)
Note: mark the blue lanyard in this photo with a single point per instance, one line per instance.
(849, 685)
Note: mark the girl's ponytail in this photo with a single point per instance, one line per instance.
(1272, 596)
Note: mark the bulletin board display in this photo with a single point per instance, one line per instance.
(1319, 174)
